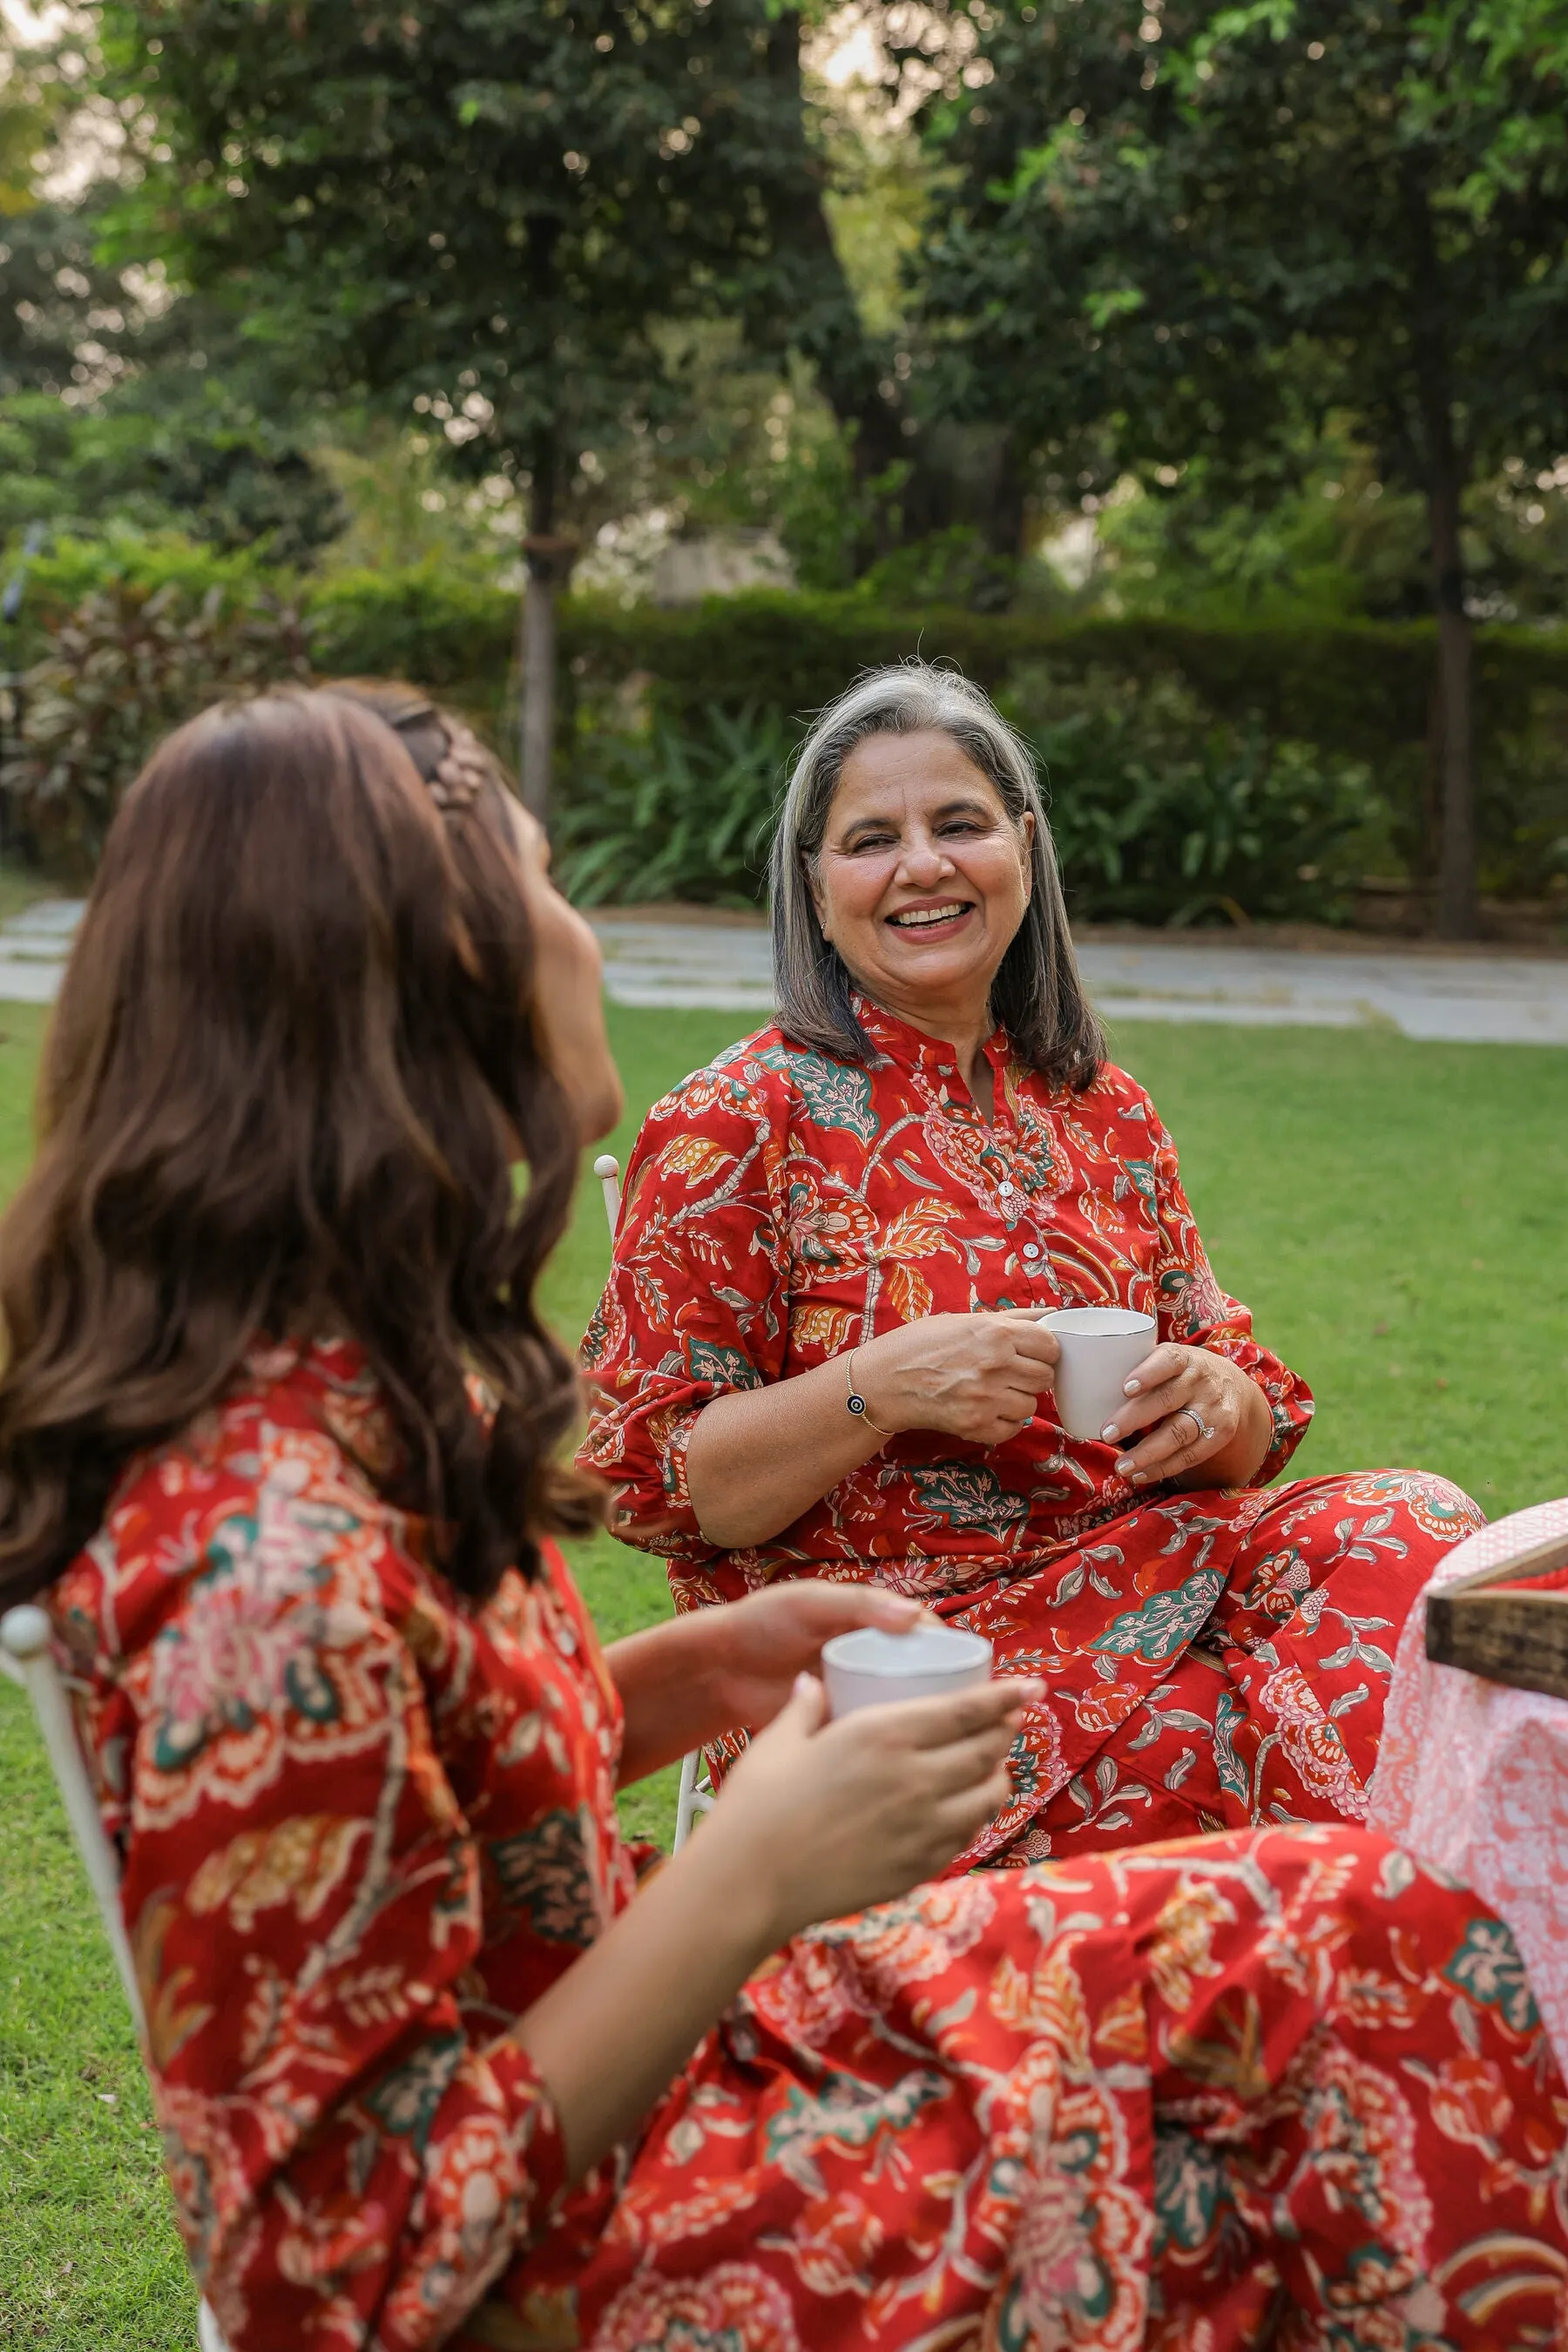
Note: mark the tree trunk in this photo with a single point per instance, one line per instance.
(549, 556)
(1459, 907)
(536, 671)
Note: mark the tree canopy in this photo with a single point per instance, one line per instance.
(1181, 231)
(484, 213)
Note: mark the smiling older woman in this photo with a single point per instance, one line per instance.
(819, 1352)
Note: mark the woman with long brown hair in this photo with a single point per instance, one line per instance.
(278, 1444)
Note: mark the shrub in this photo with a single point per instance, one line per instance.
(128, 664)
(429, 625)
(662, 812)
(1163, 813)
(1360, 694)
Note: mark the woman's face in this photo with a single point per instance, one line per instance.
(568, 989)
(922, 877)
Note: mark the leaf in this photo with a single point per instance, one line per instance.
(693, 1157)
(908, 1294)
(827, 1327)
(918, 1231)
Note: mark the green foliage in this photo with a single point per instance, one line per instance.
(123, 403)
(170, 449)
(1204, 242)
(1207, 229)
(720, 687)
(1340, 544)
(1359, 692)
(447, 631)
(487, 213)
(950, 567)
(1164, 814)
(126, 666)
(672, 813)
(1161, 812)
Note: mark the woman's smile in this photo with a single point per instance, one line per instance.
(940, 919)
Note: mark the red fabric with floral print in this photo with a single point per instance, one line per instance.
(1214, 1659)
(1147, 2101)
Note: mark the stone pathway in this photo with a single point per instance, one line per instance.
(1478, 999)
(33, 949)
(1474, 998)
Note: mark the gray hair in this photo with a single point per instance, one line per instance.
(1037, 995)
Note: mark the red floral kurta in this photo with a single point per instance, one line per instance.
(1155, 2100)
(1214, 1658)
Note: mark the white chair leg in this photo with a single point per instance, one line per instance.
(684, 1809)
(696, 1796)
(209, 2335)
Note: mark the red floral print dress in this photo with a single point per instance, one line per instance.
(1156, 2099)
(1214, 1659)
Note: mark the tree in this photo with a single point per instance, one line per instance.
(118, 404)
(1177, 231)
(485, 214)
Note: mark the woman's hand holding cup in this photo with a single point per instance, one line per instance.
(1193, 1403)
(980, 1377)
(832, 1816)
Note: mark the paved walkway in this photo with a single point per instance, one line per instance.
(1479, 999)
(33, 949)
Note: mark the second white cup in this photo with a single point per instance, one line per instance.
(1100, 1345)
(868, 1668)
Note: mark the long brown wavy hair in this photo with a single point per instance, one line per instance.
(288, 1080)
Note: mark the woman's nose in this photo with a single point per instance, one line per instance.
(924, 865)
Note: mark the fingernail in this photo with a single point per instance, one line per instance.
(803, 1683)
(1140, 1477)
(1110, 1432)
(1124, 1465)
(1130, 1387)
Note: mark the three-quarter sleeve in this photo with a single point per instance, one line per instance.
(1194, 1309)
(302, 1893)
(697, 1299)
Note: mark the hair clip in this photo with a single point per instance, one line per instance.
(462, 773)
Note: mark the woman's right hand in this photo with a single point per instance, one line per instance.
(833, 1816)
(975, 1376)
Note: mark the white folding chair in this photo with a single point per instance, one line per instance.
(696, 1792)
(24, 1637)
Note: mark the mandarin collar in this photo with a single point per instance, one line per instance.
(911, 1049)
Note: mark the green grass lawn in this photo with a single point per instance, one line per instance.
(1393, 1213)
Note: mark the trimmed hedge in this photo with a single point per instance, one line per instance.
(1357, 692)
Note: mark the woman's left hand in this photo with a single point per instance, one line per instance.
(1200, 1411)
(733, 1667)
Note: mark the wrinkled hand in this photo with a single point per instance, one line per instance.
(839, 1815)
(758, 1646)
(975, 1376)
(1177, 1394)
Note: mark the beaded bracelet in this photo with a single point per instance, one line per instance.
(856, 1403)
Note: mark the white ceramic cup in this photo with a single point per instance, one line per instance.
(868, 1668)
(1100, 1345)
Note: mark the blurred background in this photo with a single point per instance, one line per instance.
(634, 371)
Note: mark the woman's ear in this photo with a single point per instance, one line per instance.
(813, 883)
(1028, 829)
